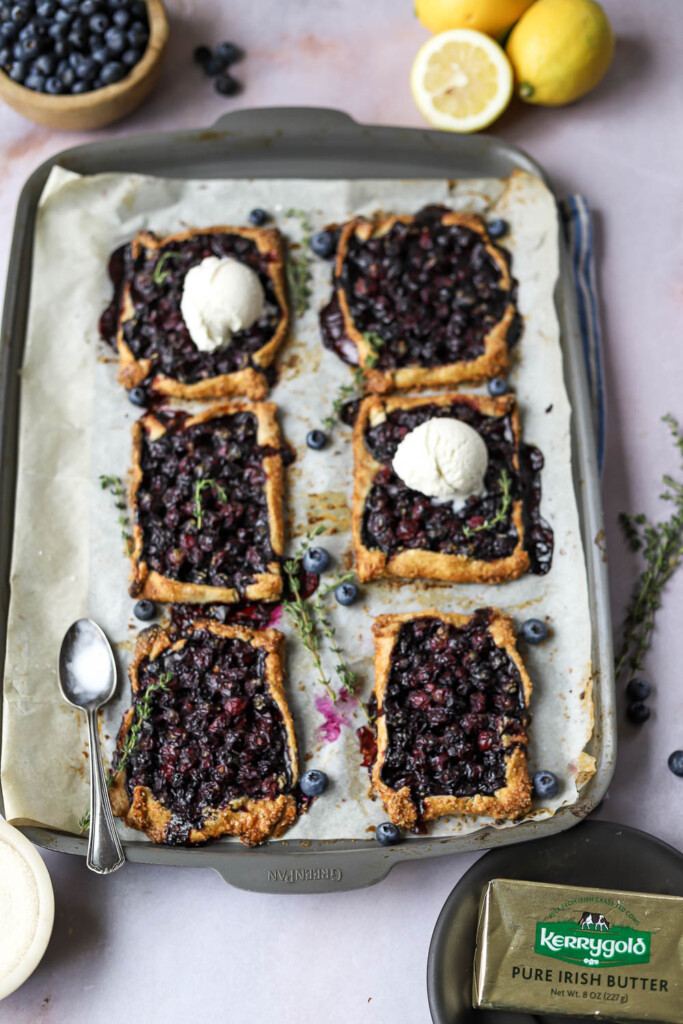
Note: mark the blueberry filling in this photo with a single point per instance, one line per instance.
(454, 709)
(201, 502)
(215, 734)
(157, 331)
(431, 291)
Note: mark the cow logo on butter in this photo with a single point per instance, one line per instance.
(593, 941)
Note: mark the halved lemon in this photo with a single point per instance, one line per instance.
(461, 80)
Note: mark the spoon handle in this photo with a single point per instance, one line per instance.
(105, 853)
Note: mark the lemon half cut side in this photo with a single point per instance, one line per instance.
(461, 80)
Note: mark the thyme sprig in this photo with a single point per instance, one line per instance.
(347, 677)
(160, 273)
(142, 713)
(346, 393)
(299, 609)
(661, 547)
(199, 488)
(298, 266)
(375, 342)
(501, 512)
(114, 485)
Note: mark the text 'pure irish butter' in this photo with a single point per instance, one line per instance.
(570, 951)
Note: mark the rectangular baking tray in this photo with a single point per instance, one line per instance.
(302, 142)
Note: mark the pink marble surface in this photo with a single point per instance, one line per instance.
(165, 945)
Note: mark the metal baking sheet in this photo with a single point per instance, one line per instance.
(315, 143)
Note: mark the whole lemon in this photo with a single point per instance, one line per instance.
(494, 17)
(560, 49)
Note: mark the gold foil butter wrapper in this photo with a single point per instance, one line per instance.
(579, 952)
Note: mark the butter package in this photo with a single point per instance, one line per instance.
(554, 949)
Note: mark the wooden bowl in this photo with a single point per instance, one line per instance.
(102, 106)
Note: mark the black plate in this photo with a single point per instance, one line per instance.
(596, 853)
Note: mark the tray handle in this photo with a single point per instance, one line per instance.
(306, 872)
(306, 119)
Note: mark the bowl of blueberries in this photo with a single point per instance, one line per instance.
(79, 64)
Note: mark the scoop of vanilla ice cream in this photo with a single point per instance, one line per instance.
(443, 458)
(220, 297)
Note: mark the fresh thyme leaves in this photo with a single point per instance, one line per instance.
(142, 712)
(375, 343)
(160, 273)
(114, 485)
(501, 513)
(346, 393)
(298, 266)
(661, 547)
(299, 608)
(347, 677)
(199, 488)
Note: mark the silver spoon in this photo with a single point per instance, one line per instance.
(87, 679)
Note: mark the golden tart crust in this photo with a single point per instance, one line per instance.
(510, 802)
(415, 563)
(253, 821)
(148, 583)
(250, 381)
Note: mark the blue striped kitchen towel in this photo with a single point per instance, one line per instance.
(578, 226)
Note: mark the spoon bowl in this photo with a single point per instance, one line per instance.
(87, 679)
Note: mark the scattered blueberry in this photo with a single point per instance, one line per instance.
(675, 762)
(229, 53)
(144, 610)
(638, 712)
(202, 54)
(137, 396)
(316, 439)
(226, 85)
(497, 228)
(638, 689)
(258, 217)
(387, 834)
(346, 593)
(112, 72)
(498, 386)
(534, 631)
(323, 244)
(212, 66)
(314, 782)
(316, 560)
(546, 784)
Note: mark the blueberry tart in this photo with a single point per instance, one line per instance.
(213, 751)
(158, 280)
(444, 489)
(207, 502)
(452, 715)
(421, 301)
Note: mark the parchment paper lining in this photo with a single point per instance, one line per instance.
(68, 556)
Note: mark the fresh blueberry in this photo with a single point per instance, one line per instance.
(28, 32)
(314, 782)
(115, 40)
(638, 712)
(139, 10)
(87, 69)
(19, 14)
(47, 9)
(32, 47)
(100, 54)
(46, 64)
(35, 82)
(98, 23)
(546, 784)
(316, 560)
(90, 7)
(112, 72)
(131, 57)
(226, 85)
(17, 72)
(323, 244)
(8, 31)
(144, 610)
(534, 631)
(202, 54)
(81, 86)
(137, 396)
(61, 49)
(675, 762)
(121, 17)
(497, 228)
(498, 386)
(6, 56)
(316, 439)
(138, 34)
(387, 834)
(70, 5)
(258, 217)
(63, 16)
(79, 24)
(78, 38)
(228, 53)
(67, 76)
(346, 593)
(54, 86)
(58, 30)
(212, 67)
(638, 689)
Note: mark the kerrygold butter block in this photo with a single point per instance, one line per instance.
(579, 952)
